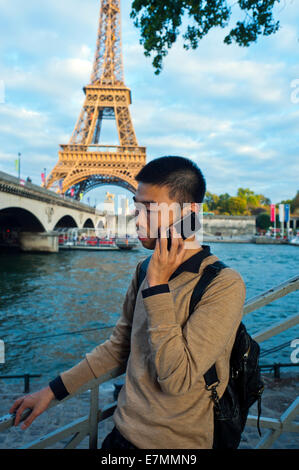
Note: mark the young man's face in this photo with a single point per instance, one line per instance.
(153, 209)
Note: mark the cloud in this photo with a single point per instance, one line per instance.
(228, 108)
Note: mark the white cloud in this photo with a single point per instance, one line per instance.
(228, 108)
(256, 153)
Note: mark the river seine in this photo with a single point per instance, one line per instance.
(46, 298)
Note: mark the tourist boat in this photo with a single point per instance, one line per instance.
(93, 239)
(295, 240)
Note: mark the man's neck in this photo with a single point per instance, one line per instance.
(192, 246)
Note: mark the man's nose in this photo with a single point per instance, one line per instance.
(137, 223)
(139, 215)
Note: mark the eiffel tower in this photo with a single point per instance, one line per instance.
(84, 163)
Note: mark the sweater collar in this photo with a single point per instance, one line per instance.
(193, 263)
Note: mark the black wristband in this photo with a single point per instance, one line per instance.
(158, 289)
(58, 388)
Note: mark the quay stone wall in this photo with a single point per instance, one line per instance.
(226, 225)
(213, 225)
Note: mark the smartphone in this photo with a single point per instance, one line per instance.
(185, 227)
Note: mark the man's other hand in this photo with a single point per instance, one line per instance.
(38, 402)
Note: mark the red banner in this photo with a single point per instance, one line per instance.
(272, 216)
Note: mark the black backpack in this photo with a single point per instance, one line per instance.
(245, 385)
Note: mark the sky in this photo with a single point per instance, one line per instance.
(232, 110)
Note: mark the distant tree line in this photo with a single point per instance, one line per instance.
(246, 202)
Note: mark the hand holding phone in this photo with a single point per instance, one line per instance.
(186, 227)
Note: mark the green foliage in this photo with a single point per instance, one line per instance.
(211, 201)
(223, 203)
(248, 196)
(294, 203)
(245, 203)
(263, 221)
(159, 23)
(205, 207)
(236, 205)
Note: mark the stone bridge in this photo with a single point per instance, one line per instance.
(36, 213)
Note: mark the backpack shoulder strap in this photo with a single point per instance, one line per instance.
(209, 273)
(143, 269)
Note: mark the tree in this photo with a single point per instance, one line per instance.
(264, 201)
(205, 207)
(223, 203)
(236, 205)
(252, 200)
(263, 221)
(159, 22)
(211, 200)
(295, 204)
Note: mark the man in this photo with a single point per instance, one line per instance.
(163, 403)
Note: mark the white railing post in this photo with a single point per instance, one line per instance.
(284, 424)
(93, 417)
(276, 329)
(265, 298)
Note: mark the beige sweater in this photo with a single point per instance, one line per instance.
(164, 403)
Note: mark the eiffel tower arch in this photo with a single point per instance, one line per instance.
(84, 163)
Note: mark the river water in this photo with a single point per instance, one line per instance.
(45, 297)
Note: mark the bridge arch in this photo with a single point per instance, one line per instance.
(100, 224)
(88, 223)
(87, 182)
(20, 219)
(67, 221)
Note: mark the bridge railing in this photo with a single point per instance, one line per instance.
(88, 425)
(11, 185)
(103, 149)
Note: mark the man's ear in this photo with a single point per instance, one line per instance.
(191, 206)
(195, 207)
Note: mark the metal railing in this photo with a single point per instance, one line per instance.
(276, 368)
(78, 429)
(26, 378)
(286, 423)
(88, 425)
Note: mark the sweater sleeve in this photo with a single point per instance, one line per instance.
(104, 357)
(183, 354)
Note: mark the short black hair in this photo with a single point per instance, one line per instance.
(181, 175)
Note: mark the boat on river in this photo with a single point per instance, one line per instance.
(295, 240)
(94, 240)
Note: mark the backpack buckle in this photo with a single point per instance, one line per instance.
(214, 396)
(212, 387)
